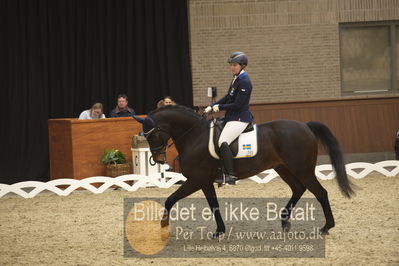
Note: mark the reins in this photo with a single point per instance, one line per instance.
(165, 145)
(203, 116)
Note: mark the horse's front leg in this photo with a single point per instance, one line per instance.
(210, 194)
(186, 189)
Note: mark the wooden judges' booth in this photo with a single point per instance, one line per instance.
(76, 146)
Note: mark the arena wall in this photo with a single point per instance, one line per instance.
(292, 45)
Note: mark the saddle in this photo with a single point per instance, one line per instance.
(242, 147)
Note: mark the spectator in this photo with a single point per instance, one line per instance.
(160, 103)
(122, 109)
(95, 112)
(167, 100)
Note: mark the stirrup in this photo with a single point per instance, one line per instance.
(219, 180)
(230, 179)
(226, 179)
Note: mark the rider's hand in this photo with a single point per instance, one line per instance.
(216, 108)
(208, 109)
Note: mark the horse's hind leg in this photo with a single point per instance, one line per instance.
(312, 184)
(210, 194)
(297, 191)
(186, 189)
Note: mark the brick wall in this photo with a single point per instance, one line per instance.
(292, 45)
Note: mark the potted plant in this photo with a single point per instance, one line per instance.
(116, 163)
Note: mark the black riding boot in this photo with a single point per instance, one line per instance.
(227, 158)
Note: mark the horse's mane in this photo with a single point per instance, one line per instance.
(180, 108)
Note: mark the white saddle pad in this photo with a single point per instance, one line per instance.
(247, 143)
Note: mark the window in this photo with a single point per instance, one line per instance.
(369, 57)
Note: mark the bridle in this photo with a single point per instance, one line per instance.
(161, 150)
(157, 150)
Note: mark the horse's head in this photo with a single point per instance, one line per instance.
(172, 121)
(157, 137)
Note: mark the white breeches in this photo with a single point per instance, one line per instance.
(231, 131)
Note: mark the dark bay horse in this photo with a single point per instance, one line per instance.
(289, 147)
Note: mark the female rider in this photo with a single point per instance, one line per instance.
(237, 116)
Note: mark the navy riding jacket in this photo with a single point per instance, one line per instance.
(236, 101)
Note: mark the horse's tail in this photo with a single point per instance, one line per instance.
(331, 144)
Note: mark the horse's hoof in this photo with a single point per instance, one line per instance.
(286, 226)
(217, 235)
(324, 231)
(231, 182)
(164, 223)
(165, 233)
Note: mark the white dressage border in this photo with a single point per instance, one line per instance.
(167, 179)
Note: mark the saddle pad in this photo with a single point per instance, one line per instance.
(247, 143)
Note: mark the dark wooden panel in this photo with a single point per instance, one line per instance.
(76, 146)
(361, 125)
(91, 137)
(60, 145)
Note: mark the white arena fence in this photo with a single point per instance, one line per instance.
(30, 189)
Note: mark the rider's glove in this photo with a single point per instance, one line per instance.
(216, 108)
(208, 109)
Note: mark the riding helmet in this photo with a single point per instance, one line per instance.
(239, 58)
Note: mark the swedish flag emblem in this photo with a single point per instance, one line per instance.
(246, 146)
